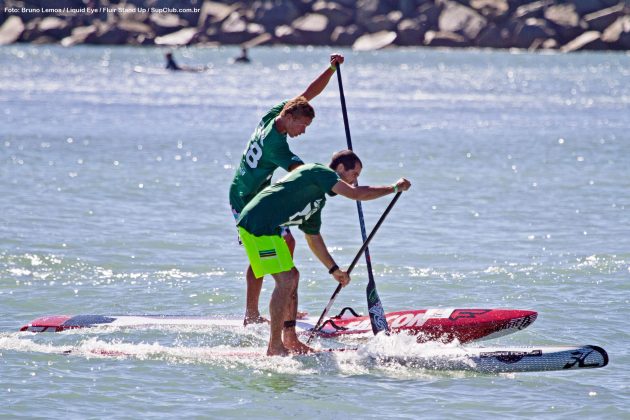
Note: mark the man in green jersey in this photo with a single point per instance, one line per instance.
(267, 150)
(298, 199)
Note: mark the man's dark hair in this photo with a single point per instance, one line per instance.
(347, 157)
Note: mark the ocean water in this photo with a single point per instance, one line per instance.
(113, 186)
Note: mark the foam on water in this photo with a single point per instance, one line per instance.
(245, 348)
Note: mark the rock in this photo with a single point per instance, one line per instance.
(461, 20)
(407, 7)
(395, 16)
(411, 31)
(532, 10)
(285, 34)
(106, 33)
(313, 22)
(379, 23)
(494, 10)
(347, 3)
(42, 40)
(565, 20)
(262, 39)
(587, 41)
(213, 12)
(236, 30)
(54, 27)
(445, 39)
(181, 37)
(165, 23)
(528, 32)
(375, 41)
(583, 7)
(367, 9)
(495, 36)
(79, 35)
(345, 35)
(600, 20)
(274, 14)
(134, 27)
(11, 30)
(562, 15)
(314, 28)
(234, 23)
(618, 34)
(336, 13)
(109, 35)
(431, 12)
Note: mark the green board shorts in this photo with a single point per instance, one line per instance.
(268, 254)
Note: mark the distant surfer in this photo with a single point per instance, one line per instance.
(243, 58)
(173, 66)
(267, 150)
(170, 62)
(297, 200)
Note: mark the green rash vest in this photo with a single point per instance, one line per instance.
(296, 199)
(266, 150)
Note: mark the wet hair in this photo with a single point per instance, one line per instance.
(347, 157)
(298, 107)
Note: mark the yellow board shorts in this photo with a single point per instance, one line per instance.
(267, 254)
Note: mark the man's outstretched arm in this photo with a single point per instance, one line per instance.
(364, 192)
(318, 85)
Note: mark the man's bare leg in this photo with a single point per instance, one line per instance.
(290, 240)
(289, 336)
(254, 286)
(286, 283)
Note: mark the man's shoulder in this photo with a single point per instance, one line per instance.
(315, 167)
(275, 110)
(316, 170)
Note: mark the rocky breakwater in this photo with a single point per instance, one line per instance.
(566, 25)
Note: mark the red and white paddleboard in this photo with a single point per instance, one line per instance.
(445, 324)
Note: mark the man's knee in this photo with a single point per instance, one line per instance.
(288, 279)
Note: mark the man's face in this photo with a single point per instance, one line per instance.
(349, 175)
(297, 125)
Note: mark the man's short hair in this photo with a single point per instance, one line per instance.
(347, 157)
(298, 107)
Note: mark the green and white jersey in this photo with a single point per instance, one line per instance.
(266, 150)
(295, 200)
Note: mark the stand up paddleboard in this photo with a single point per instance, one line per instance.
(508, 359)
(472, 359)
(449, 324)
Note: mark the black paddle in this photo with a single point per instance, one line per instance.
(375, 307)
(354, 262)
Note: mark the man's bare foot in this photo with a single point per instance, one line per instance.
(297, 347)
(255, 320)
(301, 315)
(277, 351)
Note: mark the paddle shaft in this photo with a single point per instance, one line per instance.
(346, 125)
(354, 263)
(375, 308)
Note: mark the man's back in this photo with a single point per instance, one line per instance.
(296, 199)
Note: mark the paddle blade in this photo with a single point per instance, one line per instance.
(375, 309)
